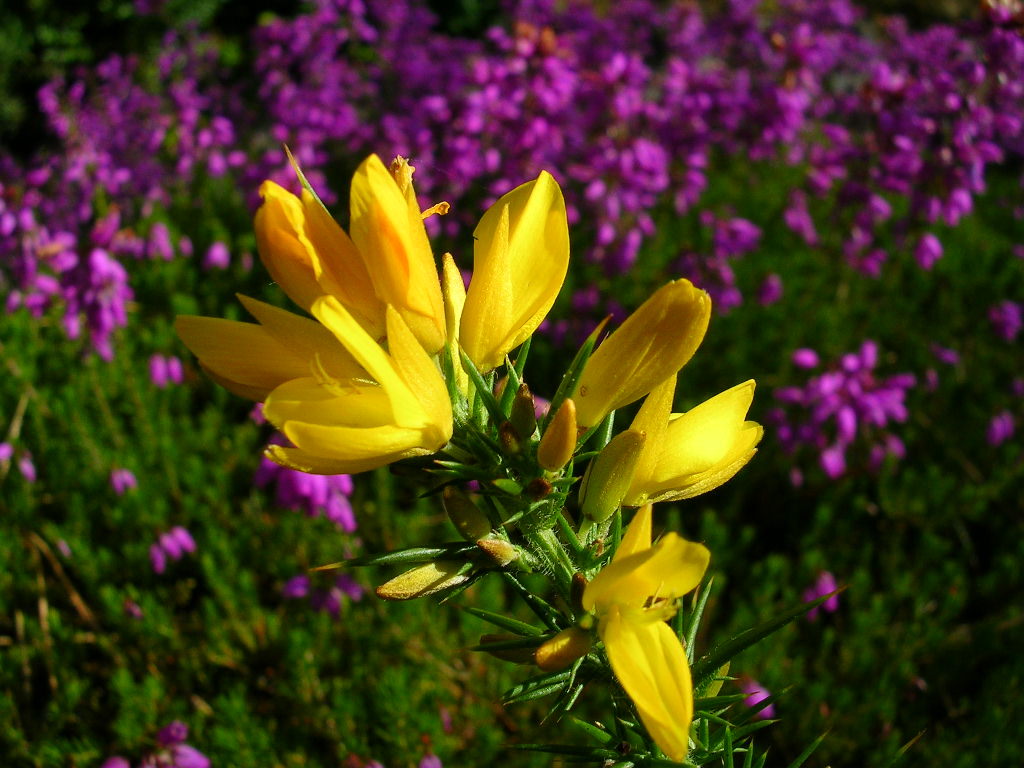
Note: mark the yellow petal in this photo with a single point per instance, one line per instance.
(649, 661)
(393, 243)
(305, 337)
(559, 440)
(743, 451)
(453, 291)
(301, 461)
(432, 406)
(650, 346)
(701, 437)
(282, 244)
(347, 404)
(520, 258)
(699, 450)
(245, 354)
(637, 537)
(563, 649)
(339, 268)
(669, 569)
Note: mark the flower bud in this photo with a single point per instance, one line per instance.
(524, 413)
(426, 579)
(563, 649)
(499, 550)
(608, 477)
(559, 440)
(464, 514)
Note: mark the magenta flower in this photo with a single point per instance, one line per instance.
(122, 480)
(217, 256)
(173, 545)
(928, 251)
(1001, 428)
(825, 584)
(756, 693)
(805, 358)
(770, 290)
(430, 761)
(173, 733)
(116, 762)
(165, 370)
(1006, 318)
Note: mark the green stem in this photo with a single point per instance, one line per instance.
(547, 546)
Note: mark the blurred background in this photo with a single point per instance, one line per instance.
(843, 178)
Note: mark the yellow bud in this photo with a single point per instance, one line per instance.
(608, 477)
(559, 440)
(563, 649)
(423, 580)
(649, 347)
(464, 514)
(500, 551)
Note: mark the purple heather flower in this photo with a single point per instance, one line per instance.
(296, 587)
(217, 256)
(173, 733)
(116, 762)
(1001, 428)
(6, 451)
(1006, 318)
(185, 756)
(770, 290)
(805, 358)
(132, 609)
(165, 370)
(158, 558)
(26, 467)
(928, 251)
(825, 584)
(316, 495)
(756, 693)
(122, 480)
(945, 354)
(430, 761)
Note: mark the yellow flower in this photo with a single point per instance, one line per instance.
(345, 403)
(347, 425)
(690, 453)
(387, 228)
(519, 262)
(633, 596)
(649, 347)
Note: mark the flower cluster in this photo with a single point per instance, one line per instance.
(172, 752)
(173, 544)
(843, 406)
(401, 363)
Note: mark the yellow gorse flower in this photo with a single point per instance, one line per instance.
(650, 346)
(520, 259)
(346, 404)
(687, 454)
(633, 597)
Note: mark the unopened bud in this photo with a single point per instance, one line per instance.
(559, 440)
(576, 589)
(502, 552)
(563, 649)
(538, 488)
(608, 477)
(426, 579)
(509, 438)
(464, 514)
(524, 413)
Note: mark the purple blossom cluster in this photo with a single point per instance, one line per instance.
(172, 752)
(23, 459)
(630, 104)
(316, 495)
(848, 405)
(72, 222)
(165, 370)
(171, 545)
(328, 599)
(825, 584)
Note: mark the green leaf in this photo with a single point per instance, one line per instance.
(415, 555)
(802, 757)
(483, 391)
(505, 622)
(544, 611)
(536, 687)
